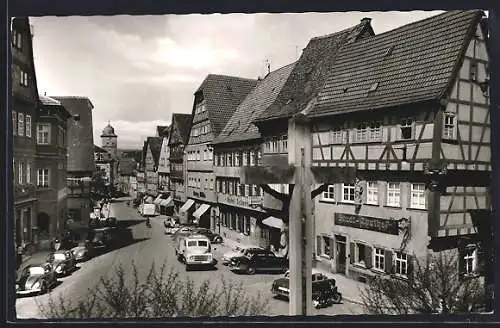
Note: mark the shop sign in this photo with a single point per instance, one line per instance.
(367, 223)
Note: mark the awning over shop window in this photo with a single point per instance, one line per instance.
(149, 200)
(274, 222)
(167, 202)
(201, 210)
(187, 205)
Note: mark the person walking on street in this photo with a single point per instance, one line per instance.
(19, 255)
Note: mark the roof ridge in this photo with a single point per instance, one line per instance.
(231, 76)
(338, 32)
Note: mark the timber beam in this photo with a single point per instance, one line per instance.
(267, 174)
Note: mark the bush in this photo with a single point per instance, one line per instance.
(435, 286)
(162, 295)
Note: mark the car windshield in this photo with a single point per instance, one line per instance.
(192, 243)
(36, 271)
(202, 243)
(59, 256)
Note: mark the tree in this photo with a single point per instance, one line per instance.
(434, 286)
(161, 295)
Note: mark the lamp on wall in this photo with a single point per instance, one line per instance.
(484, 87)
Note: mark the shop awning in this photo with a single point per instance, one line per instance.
(149, 200)
(167, 202)
(274, 222)
(187, 205)
(201, 210)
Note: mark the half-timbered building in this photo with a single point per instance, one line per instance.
(408, 109)
(240, 207)
(302, 85)
(179, 136)
(214, 103)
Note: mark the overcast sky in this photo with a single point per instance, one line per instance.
(138, 70)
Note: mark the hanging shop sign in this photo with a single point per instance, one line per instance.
(388, 226)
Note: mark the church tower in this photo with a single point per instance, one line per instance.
(109, 141)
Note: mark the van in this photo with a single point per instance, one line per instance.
(148, 210)
(194, 250)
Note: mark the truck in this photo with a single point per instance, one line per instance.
(147, 210)
(194, 250)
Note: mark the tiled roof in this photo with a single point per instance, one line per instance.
(127, 166)
(183, 125)
(162, 130)
(312, 69)
(240, 126)
(47, 101)
(223, 94)
(130, 153)
(154, 143)
(419, 67)
(80, 135)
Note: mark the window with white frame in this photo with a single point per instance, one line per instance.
(348, 192)
(43, 133)
(20, 173)
(43, 178)
(23, 78)
(379, 259)
(406, 126)
(449, 126)
(245, 158)
(284, 144)
(337, 136)
(372, 192)
(401, 263)
(417, 196)
(359, 254)
(393, 194)
(230, 159)
(28, 126)
(267, 146)
(326, 247)
(237, 159)
(17, 39)
(20, 124)
(470, 260)
(252, 158)
(28, 173)
(362, 132)
(375, 131)
(14, 122)
(329, 194)
(259, 157)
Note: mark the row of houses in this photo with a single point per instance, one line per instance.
(52, 150)
(407, 109)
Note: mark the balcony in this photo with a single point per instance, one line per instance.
(23, 191)
(227, 171)
(249, 202)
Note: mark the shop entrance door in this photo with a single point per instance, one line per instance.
(340, 242)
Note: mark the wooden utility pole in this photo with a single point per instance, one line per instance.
(300, 221)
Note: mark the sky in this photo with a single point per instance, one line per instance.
(138, 70)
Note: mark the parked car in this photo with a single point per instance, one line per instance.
(194, 250)
(35, 279)
(281, 286)
(183, 231)
(258, 261)
(170, 226)
(81, 253)
(147, 210)
(62, 261)
(214, 237)
(236, 251)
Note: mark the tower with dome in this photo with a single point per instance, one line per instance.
(109, 140)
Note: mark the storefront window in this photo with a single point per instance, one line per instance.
(360, 250)
(326, 250)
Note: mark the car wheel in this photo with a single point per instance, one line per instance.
(337, 298)
(43, 288)
(315, 304)
(250, 270)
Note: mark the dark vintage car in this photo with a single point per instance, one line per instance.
(35, 279)
(101, 240)
(63, 262)
(258, 260)
(81, 253)
(102, 222)
(323, 288)
(214, 237)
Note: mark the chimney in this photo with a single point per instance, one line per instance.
(366, 19)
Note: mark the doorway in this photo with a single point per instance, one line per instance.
(341, 247)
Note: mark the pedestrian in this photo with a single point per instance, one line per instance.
(19, 255)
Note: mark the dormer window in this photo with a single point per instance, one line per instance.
(373, 87)
(389, 50)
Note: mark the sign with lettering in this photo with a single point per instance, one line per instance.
(367, 223)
